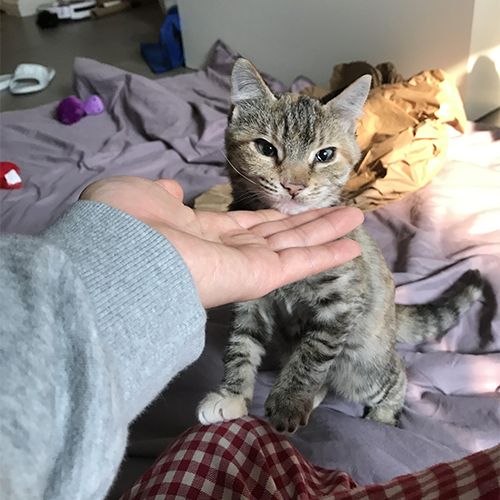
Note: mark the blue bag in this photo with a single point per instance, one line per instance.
(167, 54)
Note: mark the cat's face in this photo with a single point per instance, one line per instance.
(290, 152)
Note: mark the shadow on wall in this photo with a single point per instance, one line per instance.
(483, 88)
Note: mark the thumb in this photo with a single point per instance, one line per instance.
(172, 187)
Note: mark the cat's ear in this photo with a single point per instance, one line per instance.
(351, 101)
(247, 84)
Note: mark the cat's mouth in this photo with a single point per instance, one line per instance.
(292, 206)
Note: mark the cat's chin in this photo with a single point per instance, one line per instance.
(291, 207)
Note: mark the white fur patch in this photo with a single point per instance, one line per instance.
(320, 396)
(217, 408)
(253, 350)
(330, 312)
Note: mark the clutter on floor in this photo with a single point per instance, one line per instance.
(167, 54)
(28, 78)
(9, 176)
(50, 15)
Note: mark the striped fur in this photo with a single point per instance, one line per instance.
(417, 323)
(337, 330)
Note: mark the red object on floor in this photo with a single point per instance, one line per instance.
(10, 176)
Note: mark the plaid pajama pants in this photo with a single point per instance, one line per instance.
(247, 459)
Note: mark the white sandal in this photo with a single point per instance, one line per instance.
(28, 78)
(5, 81)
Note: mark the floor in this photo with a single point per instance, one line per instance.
(113, 40)
(492, 118)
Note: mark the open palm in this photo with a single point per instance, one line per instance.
(235, 256)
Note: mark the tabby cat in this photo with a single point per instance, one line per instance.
(338, 328)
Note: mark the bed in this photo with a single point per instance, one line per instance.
(174, 128)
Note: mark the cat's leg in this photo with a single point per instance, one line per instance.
(386, 403)
(300, 386)
(252, 329)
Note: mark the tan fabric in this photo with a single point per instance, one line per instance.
(402, 133)
(216, 199)
(404, 138)
(315, 91)
(345, 74)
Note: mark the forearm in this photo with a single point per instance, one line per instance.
(147, 307)
(97, 316)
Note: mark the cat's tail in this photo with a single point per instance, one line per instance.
(421, 322)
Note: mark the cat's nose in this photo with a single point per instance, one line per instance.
(293, 189)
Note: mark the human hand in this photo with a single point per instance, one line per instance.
(235, 256)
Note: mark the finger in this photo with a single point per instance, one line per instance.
(330, 226)
(301, 262)
(264, 217)
(172, 187)
(247, 219)
(268, 228)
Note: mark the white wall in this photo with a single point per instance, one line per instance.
(483, 79)
(290, 37)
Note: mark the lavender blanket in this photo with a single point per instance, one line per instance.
(174, 128)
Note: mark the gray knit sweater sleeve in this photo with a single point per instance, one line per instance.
(97, 316)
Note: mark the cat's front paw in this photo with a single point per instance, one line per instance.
(382, 415)
(217, 407)
(288, 411)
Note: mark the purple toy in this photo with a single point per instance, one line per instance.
(94, 105)
(70, 110)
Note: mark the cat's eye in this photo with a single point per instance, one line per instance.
(265, 148)
(325, 155)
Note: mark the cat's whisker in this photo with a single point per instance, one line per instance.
(236, 170)
(248, 196)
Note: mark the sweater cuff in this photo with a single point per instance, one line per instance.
(148, 312)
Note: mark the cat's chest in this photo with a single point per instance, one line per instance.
(295, 306)
(292, 317)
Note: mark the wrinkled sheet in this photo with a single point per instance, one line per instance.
(168, 128)
(174, 128)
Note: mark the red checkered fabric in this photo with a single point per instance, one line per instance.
(247, 459)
